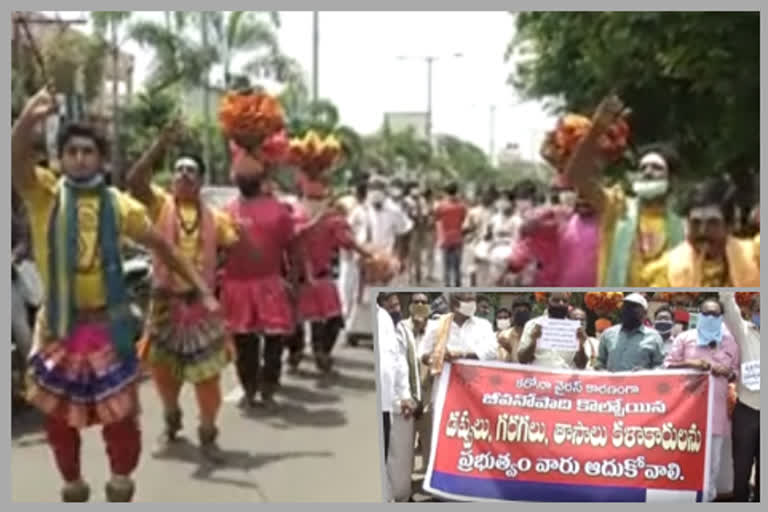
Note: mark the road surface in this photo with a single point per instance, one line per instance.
(321, 446)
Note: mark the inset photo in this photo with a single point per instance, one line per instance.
(552, 396)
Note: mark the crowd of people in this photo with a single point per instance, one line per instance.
(413, 352)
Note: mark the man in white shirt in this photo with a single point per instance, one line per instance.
(530, 353)
(454, 336)
(408, 397)
(745, 429)
(392, 367)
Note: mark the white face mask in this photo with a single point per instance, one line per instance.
(376, 196)
(396, 192)
(503, 205)
(503, 324)
(414, 193)
(468, 309)
(313, 206)
(567, 198)
(650, 189)
(523, 205)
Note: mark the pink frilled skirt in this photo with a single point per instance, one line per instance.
(319, 301)
(257, 306)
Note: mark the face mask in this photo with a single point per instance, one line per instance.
(184, 188)
(710, 329)
(313, 206)
(521, 318)
(376, 197)
(503, 205)
(396, 192)
(567, 198)
(503, 324)
(468, 308)
(420, 311)
(87, 182)
(558, 311)
(630, 319)
(396, 316)
(650, 189)
(414, 193)
(756, 319)
(664, 327)
(523, 205)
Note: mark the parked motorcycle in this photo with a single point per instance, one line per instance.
(26, 298)
(137, 274)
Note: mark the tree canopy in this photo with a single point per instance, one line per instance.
(692, 78)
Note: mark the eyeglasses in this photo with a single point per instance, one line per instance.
(710, 313)
(419, 301)
(652, 166)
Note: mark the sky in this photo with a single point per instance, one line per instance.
(361, 73)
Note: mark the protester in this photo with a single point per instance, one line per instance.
(664, 324)
(591, 345)
(450, 214)
(408, 393)
(183, 344)
(510, 325)
(601, 325)
(477, 229)
(417, 210)
(530, 353)
(712, 349)
(349, 261)
(390, 369)
(485, 308)
(632, 345)
(83, 370)
(744, 325)
(710, 256)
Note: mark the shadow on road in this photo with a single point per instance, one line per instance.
(298, 415)
(186, 452)
(352, 364)
(300, 394)
(27, 421)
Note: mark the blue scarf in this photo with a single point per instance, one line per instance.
(62, 264)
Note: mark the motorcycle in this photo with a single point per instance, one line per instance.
(137, 275)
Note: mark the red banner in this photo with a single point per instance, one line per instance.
(514, 432)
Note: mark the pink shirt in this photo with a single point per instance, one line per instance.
(578, 252)
(726, 354)
(320, 242)
(269, 228)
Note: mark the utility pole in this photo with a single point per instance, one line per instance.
(492, 138)
(206, 99)
(430, 61)
(315, 55)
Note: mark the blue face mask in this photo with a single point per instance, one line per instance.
(756, 319)
(710, 329)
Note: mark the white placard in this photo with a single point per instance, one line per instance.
(559, 334)
(750, 375)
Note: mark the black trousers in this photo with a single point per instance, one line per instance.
(746, 451)
(387, 427)
(250, 371)
(325, 334)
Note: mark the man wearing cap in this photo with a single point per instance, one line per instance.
(183, 342)
(744, 324)
(530, 353)
(710, 348)
(631, 345)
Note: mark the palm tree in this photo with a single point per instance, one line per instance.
(113, 20)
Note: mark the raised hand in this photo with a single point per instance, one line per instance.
(41, 105)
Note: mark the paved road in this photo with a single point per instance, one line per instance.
(321, 446)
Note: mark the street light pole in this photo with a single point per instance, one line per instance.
(428, 131)
(315, 54)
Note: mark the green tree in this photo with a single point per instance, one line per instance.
(689, 77)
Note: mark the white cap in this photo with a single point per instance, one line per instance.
(637, 299)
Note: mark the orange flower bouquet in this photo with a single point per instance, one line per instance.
(541, 297)
(560, 143)
(381, 268)
(603, 303)
(253, 120)
(681, 298)
(314, 154)
(745, 298)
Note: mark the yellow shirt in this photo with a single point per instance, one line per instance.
(714, 273)
(649, 244)
(189, 248)
(39, 195)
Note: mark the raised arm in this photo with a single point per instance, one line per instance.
(37, 109)
(140, 174)
(732, 318)
(584, 168)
